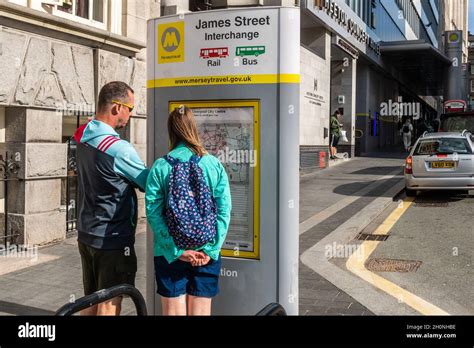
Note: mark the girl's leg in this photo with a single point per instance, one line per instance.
(199, 305)
(174, 305)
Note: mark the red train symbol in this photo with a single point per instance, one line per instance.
(217, 52)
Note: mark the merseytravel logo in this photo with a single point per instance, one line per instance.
(171, 42)
(454, 38)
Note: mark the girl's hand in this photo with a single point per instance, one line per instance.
(189, 256)
(202, 259)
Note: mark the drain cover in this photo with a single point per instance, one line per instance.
(432, 204)
(374, 237)
(391, 265)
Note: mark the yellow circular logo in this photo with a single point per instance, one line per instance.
(454, 37)
(170, 39)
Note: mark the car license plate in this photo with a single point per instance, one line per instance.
(442, 165)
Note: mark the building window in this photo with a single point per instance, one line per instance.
(472, 68)
(472, 86)
(372, 19)
(92, 12)
(412, 18)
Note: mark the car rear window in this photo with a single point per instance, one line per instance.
(457, 123)
(443, 146)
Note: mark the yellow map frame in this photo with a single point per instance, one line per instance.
(255, 104)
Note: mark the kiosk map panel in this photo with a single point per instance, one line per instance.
(229, 131)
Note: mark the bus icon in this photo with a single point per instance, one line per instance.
(218, 52)
(243, 51)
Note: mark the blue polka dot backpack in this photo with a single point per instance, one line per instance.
(191, 213)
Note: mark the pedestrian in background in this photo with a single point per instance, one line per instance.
(335, 133)
(188, 207)
(109, 171)
(407, 132)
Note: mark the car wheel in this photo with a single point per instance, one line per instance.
(410, 193)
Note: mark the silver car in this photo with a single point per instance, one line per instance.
(440, 161)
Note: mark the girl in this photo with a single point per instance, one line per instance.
(186, 274)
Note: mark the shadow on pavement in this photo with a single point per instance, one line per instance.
(18, 309)
(388, 155)
(378, 170)
(441, 196)
(381, 190)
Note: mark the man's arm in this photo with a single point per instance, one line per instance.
(129, 165)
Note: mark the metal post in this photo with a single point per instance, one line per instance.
(5, 186)
(67, 187)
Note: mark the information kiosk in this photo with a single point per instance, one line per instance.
(238, 70)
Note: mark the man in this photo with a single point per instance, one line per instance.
(335, 133)
(109, 170)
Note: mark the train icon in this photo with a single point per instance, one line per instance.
(217, 52)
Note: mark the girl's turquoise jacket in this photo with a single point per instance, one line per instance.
(156, 197)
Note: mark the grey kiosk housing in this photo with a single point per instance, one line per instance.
(247, 284)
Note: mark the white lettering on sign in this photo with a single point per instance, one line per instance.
(228, 273)
(337, 13)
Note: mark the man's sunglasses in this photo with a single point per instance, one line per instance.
(130, 107)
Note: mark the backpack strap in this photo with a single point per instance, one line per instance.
(195, 159)
(172, 161)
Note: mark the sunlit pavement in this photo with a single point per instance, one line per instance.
(328, 200)
(432, 244)
(43, 288)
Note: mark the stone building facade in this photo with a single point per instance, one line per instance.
(52, 65)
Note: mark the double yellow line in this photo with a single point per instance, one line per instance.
(356, 264)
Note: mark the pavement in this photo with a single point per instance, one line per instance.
(45, 286)
(335, 205)
(330, 201)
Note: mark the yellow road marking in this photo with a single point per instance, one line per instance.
(356, 264)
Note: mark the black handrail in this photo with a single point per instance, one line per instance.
(272, 309)
(105, 295)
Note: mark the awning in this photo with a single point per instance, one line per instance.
(421, 63)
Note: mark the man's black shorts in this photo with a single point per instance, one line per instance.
(102, 269)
